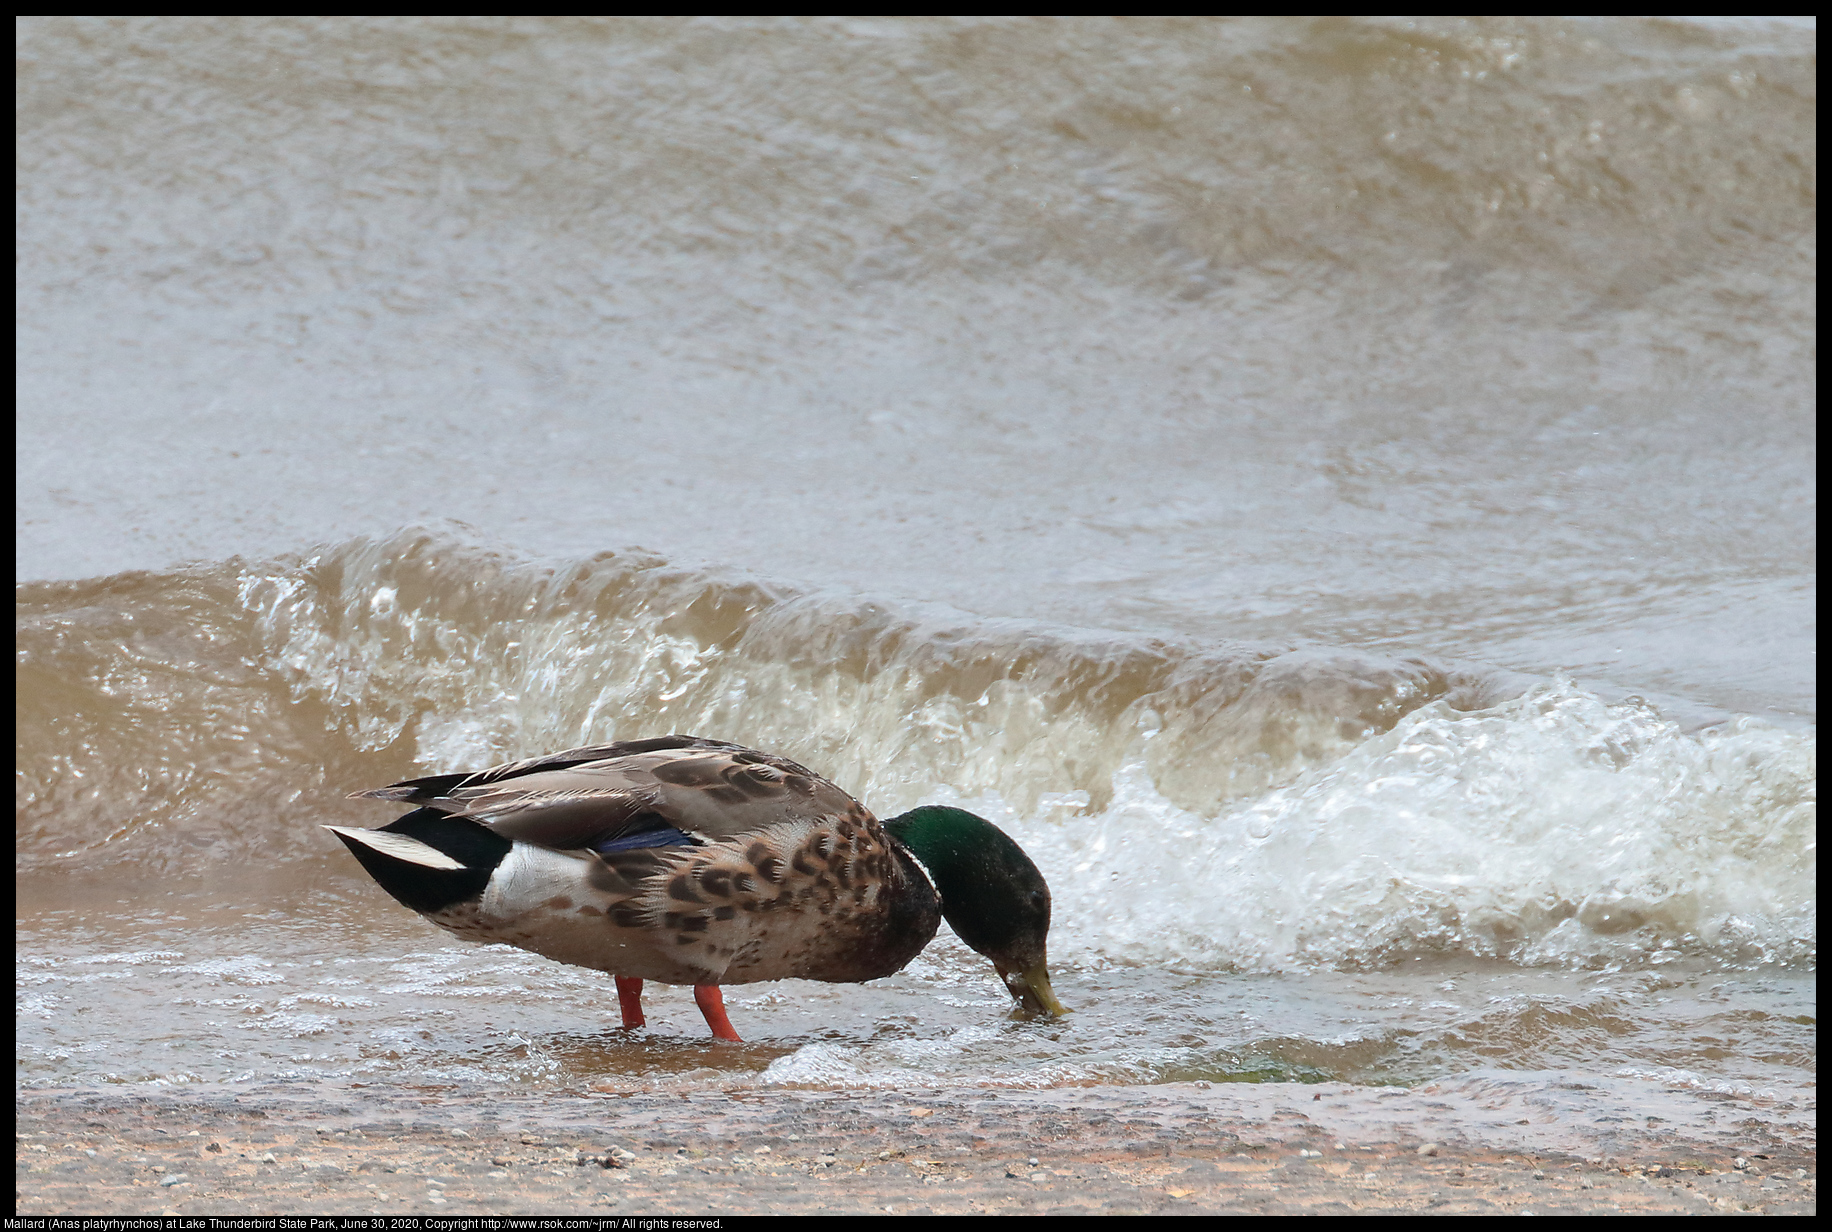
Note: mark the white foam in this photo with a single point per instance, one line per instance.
(1550, 829)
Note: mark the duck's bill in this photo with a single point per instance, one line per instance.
(1032, 989)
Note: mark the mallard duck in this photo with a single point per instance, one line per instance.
(692, 861)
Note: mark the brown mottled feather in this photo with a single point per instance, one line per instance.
(787, 876)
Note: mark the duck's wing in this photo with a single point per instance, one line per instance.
(438, 786)
(638, 794)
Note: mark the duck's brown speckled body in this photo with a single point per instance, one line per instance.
(677, 859)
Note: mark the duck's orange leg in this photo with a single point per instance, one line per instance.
(629, 1000)
(712, 1004)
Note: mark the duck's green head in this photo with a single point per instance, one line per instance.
(991, 895)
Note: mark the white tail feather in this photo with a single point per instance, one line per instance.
(398, 846)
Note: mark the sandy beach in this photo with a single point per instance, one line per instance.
(1174, 1149)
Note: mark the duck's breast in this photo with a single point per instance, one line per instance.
(843, 930)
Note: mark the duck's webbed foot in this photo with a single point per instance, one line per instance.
(712, 1004)
(629, 1000)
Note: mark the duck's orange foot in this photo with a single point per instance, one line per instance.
(629, 1000)
(712, 1004)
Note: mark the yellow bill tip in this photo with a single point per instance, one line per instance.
(1032, 989)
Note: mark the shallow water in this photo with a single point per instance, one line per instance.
(1340, 492)
(321, 986)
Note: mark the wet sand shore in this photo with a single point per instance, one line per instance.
(1172, 1149)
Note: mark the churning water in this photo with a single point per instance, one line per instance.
(1340, 492)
